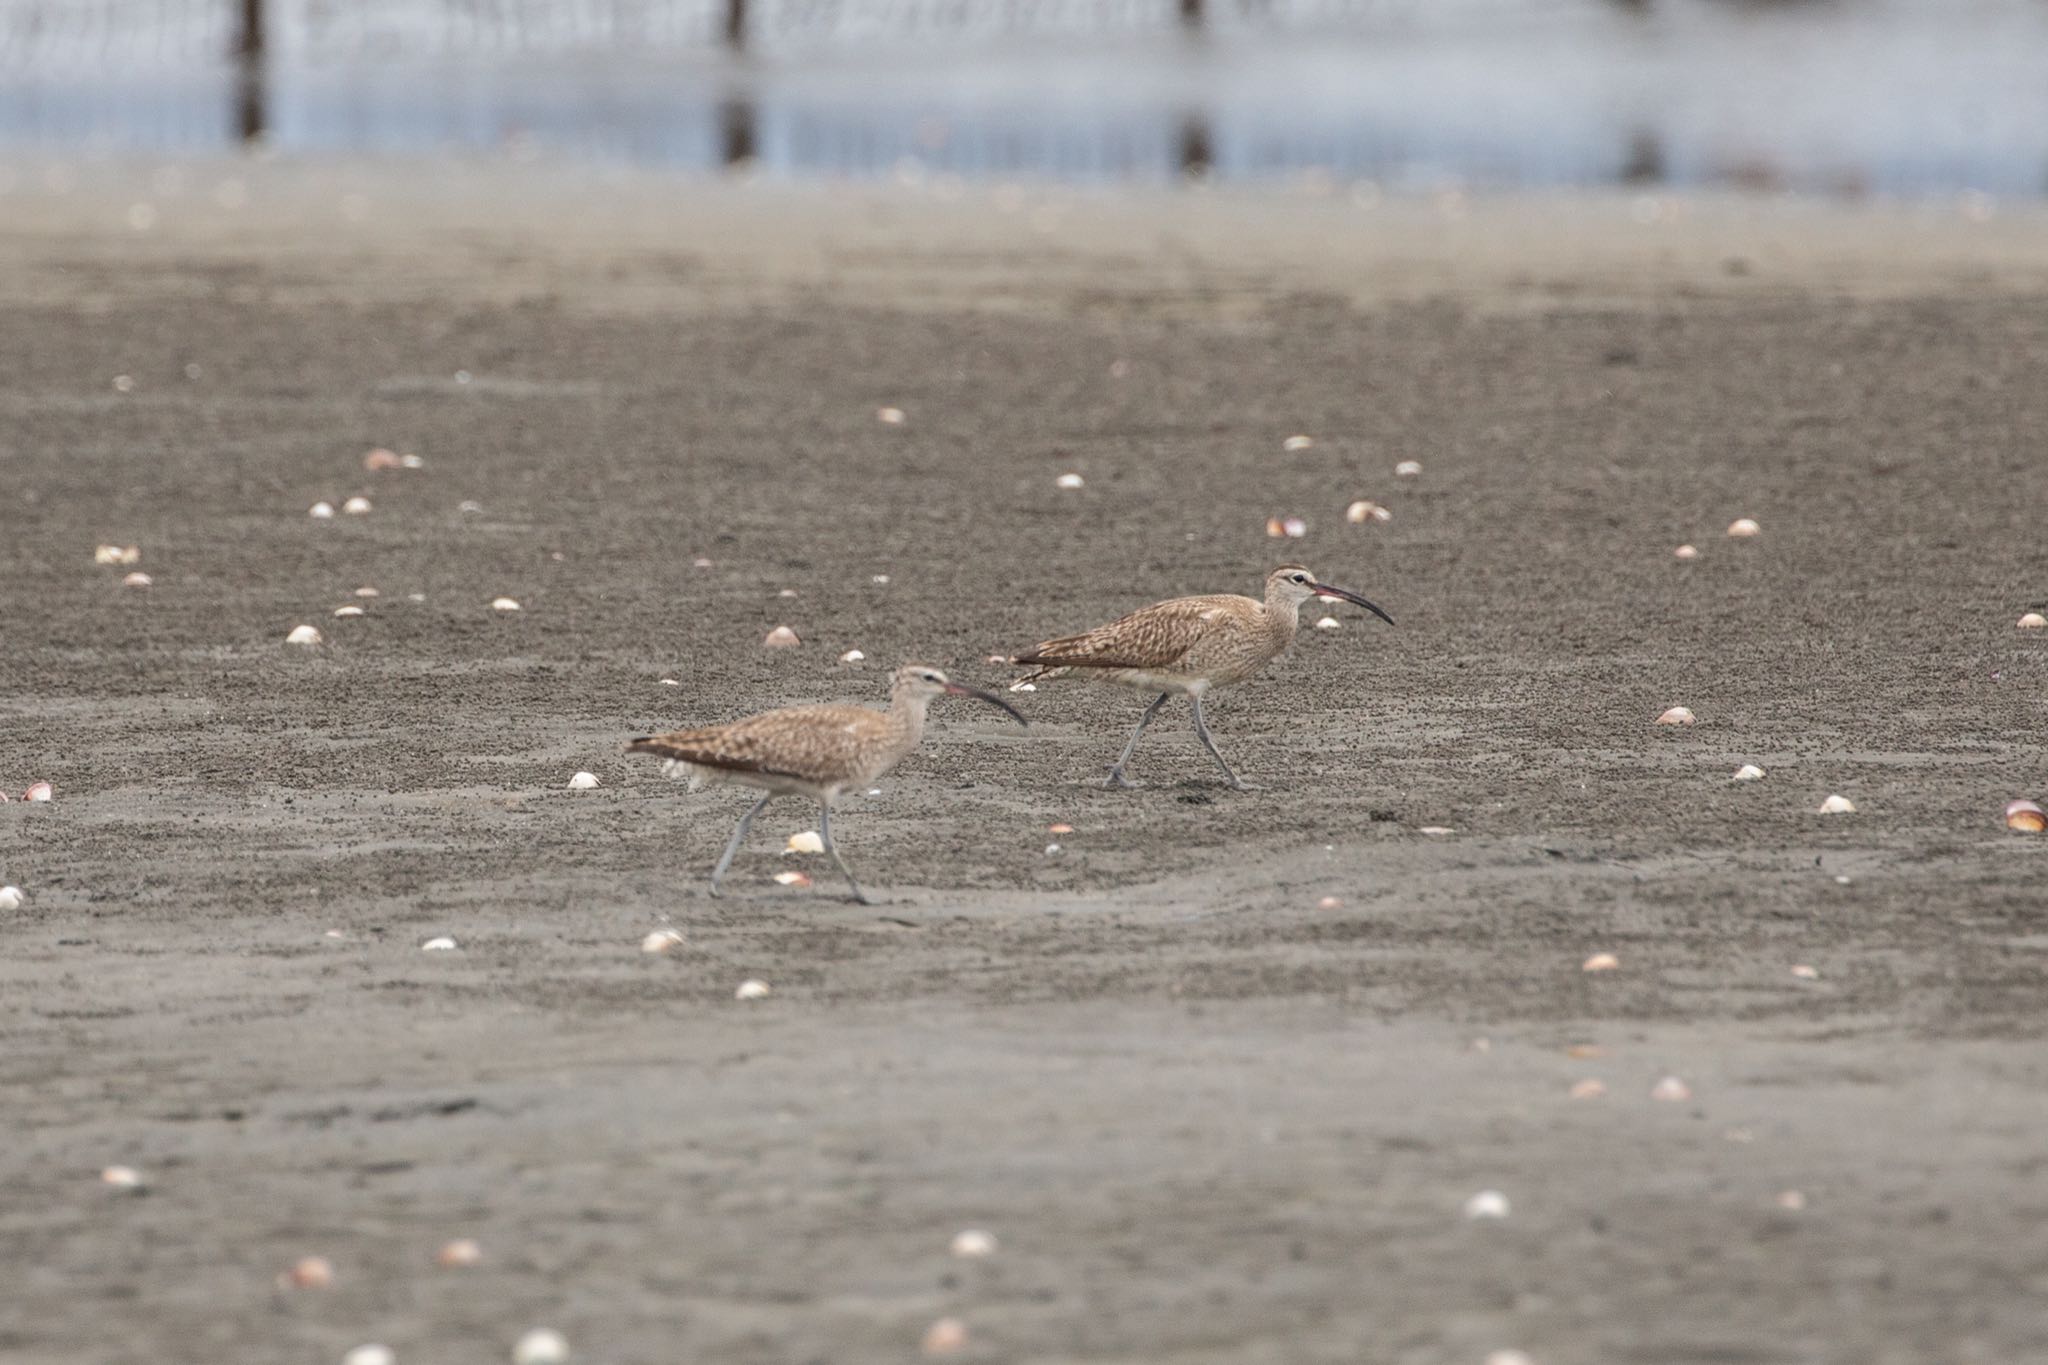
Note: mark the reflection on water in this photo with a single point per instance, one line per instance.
(1885, 96)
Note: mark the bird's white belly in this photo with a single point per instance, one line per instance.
(1145, 680)
(701, 777)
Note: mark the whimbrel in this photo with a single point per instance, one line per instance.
(816, 752)
(1189, 645)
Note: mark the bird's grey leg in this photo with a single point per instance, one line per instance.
(718, 873)
(1116, 772)
(1203, 730)
(825, 835)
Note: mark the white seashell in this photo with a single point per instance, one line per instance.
(334, 933)
(1509, 1357)
(1677, 715)
(504, 604)
(2033, 620)
(791, 879)
(122, 1177)
(671, 682)
(355, 507)
(1408, 469)
(443, 944)
(947, 1336)
(348, 611)
(460, 1252)
(1686, 552)
(1842, 879)
(852, 656)
(541, 1346)
(320, 511)
(782, 637)
(889, 416)
(582, 782)
(415, 597)
(1061, 828)
(974, 1242)
(1588, 1089)
(1329, 623)
(1600, 962)
(411, 462)
(12, 898)
(1297, 443)
(1749, 772)
(880, 578)
(751, 990)
(40, 791)
(2025, 817)
(1365, 510)
(1068, 481)
(1294, 528)
(116, 554)
(700, 562)
(1328, 903)
(303, 635)
(1052, 850)
(469, 505)
(806, 842)
(1487, 1204)
(787, 592)
(1793, 1200)
(308, 1272)
(1437, 830)
(660, 941)
(1743, 527)
(381, 458)
(137, 580)
(1671, 1090)
(1021, 686)
(1805, 973)
(372, 1354)
(1838, 805)
(124, 383)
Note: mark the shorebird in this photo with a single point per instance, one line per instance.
(1188, 645)
(815, 752)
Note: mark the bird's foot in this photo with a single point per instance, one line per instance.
(1116, 780)
(716, 894)
(1238, 784)
(860, 897)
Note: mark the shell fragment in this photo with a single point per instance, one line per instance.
(2026, 817)
(541, 1346)
(660, 941)
(1838, 805)
(782, 637)
(303, 635)
(583, 782)
(806, 841)
(1487, 1204)
(443, 944)
(974, 1243)
(1297, 443)
(12, 898)
(1365, 510)
(1068, 481)
(1742, 528)
(1677, 715)
(751, 990)
(504, 604)
(1749, 772)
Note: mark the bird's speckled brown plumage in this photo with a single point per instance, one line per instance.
(1188, 645)
(813, 751)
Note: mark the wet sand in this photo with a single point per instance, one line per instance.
(1207, 1119)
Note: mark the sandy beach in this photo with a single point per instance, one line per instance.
(1206, 1117)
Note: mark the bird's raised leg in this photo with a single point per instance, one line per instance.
(825, 836)
(1116, 771)
(718, 873)
(1202, 730)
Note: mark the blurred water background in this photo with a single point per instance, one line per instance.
(1847, 97)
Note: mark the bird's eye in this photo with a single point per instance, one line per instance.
(1301, 578)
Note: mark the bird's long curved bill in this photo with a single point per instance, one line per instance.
(1346, 595)
(957, 690)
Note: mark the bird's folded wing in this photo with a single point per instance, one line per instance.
(733, 748)
(1154, 637)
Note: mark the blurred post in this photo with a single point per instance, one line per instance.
(736, 131)
(1191, 13)
(249, 57)
(735, 24)
(1196, 152)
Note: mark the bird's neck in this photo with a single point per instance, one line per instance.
(906, 710)
(1283, 617)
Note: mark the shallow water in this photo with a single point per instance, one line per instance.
(1897, 97)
